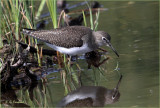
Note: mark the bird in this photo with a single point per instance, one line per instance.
(72, 40)
(91, 96)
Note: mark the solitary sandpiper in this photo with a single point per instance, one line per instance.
(72, 40)
(91, 96)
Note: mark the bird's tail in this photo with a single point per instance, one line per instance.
(28, 31)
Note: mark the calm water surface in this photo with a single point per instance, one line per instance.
(133, 27)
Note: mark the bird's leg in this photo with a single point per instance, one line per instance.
(70, 58)
(102, 49)
(103, 62)
(89, 66)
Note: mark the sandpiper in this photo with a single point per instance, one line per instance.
(72, 40)
(91, 96)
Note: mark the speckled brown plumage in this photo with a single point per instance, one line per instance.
(71, 36)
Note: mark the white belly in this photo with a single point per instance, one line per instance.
(71, 51)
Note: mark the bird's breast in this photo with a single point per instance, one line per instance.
(71, 51)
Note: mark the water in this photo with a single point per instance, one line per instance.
(134, 30)
(133, 27)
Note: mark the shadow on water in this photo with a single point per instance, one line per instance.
(134, 30)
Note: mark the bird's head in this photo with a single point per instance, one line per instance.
(103, 38)
(113, 95)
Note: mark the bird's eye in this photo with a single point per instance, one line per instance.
(103, 38)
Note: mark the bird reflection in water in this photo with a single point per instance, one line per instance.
(91, 96)
(93, 58)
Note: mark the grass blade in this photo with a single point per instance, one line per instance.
(52, 7)
(96, 21)
(40, 9)
(84, 17)
(91, 17)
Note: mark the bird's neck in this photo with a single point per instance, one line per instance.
(96, 39)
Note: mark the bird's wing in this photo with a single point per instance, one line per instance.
(68, 37)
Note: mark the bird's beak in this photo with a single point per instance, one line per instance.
(109, 44)
(117, 86)
(116, 89)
